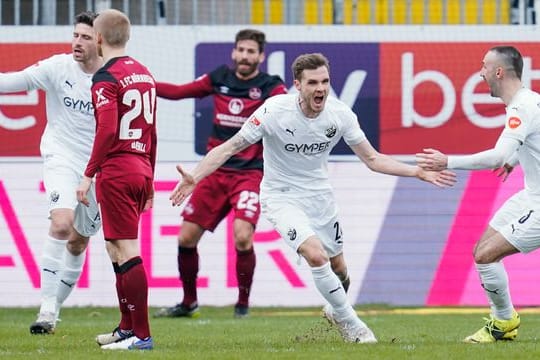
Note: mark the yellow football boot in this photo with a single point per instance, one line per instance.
(495, 329)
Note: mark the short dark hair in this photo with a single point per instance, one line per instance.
(511, 58)
(251, 34)
(308, 62)
(86, 17)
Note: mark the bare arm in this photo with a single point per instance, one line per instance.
(382, 163)
(211, 162)
(218, 156)
(385, 164)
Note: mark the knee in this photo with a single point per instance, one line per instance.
(481, 257)
(187, 241)
(77, 245)
(61, 228)
(315, 256)
(243, 240)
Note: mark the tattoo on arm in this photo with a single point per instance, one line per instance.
(239, 143)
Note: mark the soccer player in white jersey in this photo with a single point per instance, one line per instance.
(515, 227)
(65, 147)
(298, 132)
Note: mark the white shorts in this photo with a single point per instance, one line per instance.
(61, 180)
(298, 219)
(518, 220)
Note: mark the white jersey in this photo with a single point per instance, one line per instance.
(70, 126)
(523, 124)
(296, 148)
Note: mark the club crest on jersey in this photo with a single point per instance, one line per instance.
(100, 98)
(330, 132)
(188, 209)
(236, 106)
(514, 122)
(291, 234)
(54, 196)
(255, 93)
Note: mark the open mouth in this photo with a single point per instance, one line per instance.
(318, 100)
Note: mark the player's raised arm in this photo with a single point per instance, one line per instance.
(385, 164)
(212, 161)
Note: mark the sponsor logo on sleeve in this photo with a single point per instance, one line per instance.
(255, 121)
(100, 98)
(514, 122)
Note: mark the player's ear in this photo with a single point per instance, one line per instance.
(262, 57)
(297, 84)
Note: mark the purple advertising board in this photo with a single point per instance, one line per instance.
(354, 77)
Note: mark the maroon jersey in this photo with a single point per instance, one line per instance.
(124, 99)
(234, 101)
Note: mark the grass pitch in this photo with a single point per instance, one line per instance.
(271, 333)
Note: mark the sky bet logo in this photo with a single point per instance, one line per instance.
(354, 78)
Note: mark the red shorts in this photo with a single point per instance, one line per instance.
(121, 201)
(222, 191)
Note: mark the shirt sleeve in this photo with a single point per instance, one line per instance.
(40, 75)
(106, 126)
(36, 76)
(13, 82)
(254, 128)
(198, 88)
(352, 133)
(517, 124)
(503, 152)
(515, 131)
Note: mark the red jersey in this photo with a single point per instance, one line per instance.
(124, 99)
(234, 101)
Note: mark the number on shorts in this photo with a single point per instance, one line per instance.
(339, 233)
(248, 200)
(139, 103)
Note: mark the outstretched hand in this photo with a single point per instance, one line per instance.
(504, 171)
(184, 187)
(444, 178)
(432, 160)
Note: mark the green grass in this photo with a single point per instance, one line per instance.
(269, 333)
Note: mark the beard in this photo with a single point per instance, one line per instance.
(245, 72)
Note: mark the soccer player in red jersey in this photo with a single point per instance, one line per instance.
(123, 160)
(237, 93)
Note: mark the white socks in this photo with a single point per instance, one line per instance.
(495, 283)
(331, 289)
(68, 276)
(60, 271)
(51, 264)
